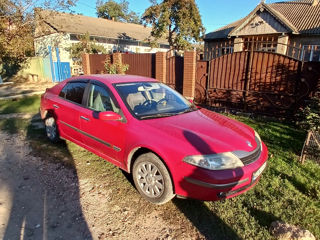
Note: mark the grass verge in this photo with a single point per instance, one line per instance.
(22, 105)
(287, 191)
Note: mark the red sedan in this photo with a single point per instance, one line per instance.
(170, 146)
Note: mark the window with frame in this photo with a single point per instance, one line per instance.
(73, 91)
(100, 100)
(226, 50)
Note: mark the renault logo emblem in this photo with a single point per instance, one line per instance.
(249, 144)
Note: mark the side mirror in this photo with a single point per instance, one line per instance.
(110, 116)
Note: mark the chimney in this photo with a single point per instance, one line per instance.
(315, 2)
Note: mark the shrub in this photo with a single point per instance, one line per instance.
(115, 68)
(309, 117)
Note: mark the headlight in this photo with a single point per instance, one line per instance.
(215, 161)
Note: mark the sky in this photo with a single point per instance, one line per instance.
(214, 13)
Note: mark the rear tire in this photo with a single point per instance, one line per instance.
(152, 179)
(51, 129)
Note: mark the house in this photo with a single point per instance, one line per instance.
(290, 28)
(57, 29)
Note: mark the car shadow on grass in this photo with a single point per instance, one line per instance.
(263, 218)
(205, 220)
(210, 225)
(43, 187)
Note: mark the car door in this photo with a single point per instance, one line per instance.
(105, 137)
(67, 107)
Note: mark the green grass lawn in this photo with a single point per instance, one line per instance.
(22, 105)
(287, 191)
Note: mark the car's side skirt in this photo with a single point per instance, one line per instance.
(115, 148)
(100, 154)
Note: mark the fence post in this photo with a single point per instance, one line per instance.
(86, 63)
(161, 66)
(189, 73)
(247, 79)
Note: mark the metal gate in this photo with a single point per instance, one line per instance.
(174, 71)
(256, 81)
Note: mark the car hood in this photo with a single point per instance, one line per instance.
(205, 132)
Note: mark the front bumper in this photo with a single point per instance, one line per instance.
(216, 185)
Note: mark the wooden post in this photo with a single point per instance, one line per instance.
(306, 144)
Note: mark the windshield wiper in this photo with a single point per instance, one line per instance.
(187, 110)
(158, 115)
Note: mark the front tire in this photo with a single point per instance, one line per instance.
(51, 129)
(152, 179)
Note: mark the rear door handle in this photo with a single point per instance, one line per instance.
(84, 118)
(55, 106)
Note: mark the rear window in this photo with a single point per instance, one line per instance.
(73, 91)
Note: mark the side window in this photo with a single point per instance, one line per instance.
(73, 91)
(100, 100)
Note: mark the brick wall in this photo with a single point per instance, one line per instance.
(189, 74)
(86, 63)
(161, 66)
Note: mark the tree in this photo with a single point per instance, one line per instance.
(85, 45)
(179, 21)
(16, 30)
(117, 11)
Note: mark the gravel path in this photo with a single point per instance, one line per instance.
(40, 199)
(36, 202)
(20, 115)
(23, 89)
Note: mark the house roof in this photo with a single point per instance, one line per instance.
(299, 17)
(223, 32)
(304, 16)
(51, 22)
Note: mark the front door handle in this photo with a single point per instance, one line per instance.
(84, 118)
(55, 106)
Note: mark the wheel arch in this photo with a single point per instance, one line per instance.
(137, 151)
(47, 113)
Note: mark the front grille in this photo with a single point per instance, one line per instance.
(254, 155)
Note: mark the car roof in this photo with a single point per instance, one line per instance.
(115, 78)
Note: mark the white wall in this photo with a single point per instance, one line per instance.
(63, 42)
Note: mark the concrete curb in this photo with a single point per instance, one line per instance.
(21, 95)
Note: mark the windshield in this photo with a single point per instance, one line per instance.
(153, 100)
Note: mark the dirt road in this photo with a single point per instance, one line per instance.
(35, 201)
(44, 200)
(24, 88)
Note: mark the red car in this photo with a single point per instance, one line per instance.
(170, 146)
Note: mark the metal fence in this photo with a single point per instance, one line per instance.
(142, 64)
(174, 71)
(258, 79)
